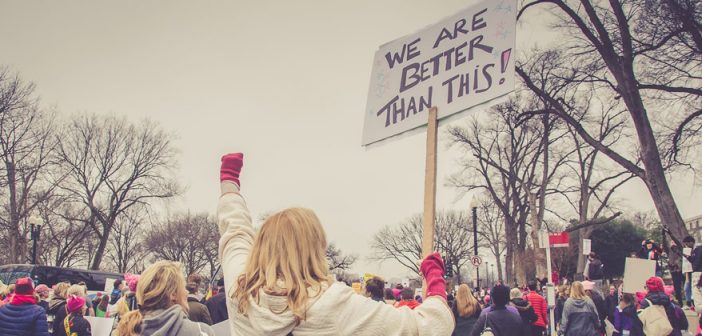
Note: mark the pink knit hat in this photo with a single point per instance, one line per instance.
(588, 285)
(132, 280)
(75, 303)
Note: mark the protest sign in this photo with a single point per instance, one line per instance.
(686, 265)
(458, 63)
(636, 272)
(587, 246)
(100, 326)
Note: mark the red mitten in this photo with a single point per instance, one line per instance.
(231, 167)
(433, 270)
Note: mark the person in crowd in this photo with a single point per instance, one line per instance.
(691, 279)
(538, 328)
(196, 279)
(563, 293)
(162, 300)
(466, 310)
(374, 289)
(688, 242)
(79, 290)
(594, 269)
(101, 307)
(126, 302)
(281, 282)
(498, 317)
(675, 267)
(450, 299)
(57, 308)
(9, 293)
(42, 292)
(217, 305)
(397, 291)
(486, 300)
(651, 251)
(593, 292)
(21, 316)
(96, 301)
(526, 311)
(579, 314)
(656, 296)
(626, 318)
(407, 299)
(389, 296)
(197, 312)
(116, 291)
(74, 323)
(611, 302)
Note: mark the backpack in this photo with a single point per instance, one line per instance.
(655, 320)
(487, 330)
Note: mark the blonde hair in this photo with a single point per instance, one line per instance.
(515, 293)
(300, 263)
(161, 286)
(76, 290)
(61, 289)
(577, 291)
(466, 303)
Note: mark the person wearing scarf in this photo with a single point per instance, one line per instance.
(22, 316)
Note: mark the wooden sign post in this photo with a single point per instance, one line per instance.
(430, 186)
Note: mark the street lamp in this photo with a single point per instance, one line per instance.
(474, 211)
(35, 223)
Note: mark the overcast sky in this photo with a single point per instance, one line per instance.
(285, 82)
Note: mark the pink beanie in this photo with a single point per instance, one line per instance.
(132, 280)
(75, 303)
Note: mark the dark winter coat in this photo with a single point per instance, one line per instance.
(57, 308)
(526, 312)
(601, 307)
(464, 325)
(197, 312)
(217, 306)
(579, 318)
(627, 319)
(594, 270)
(78, 325)
(611, 305)
(23, 320)
(502, 322)
(558, 311)
(676, 316)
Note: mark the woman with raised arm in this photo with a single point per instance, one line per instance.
(278, 283)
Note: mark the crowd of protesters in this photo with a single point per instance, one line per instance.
(276, 282)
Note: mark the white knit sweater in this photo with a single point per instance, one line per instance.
(337, 311)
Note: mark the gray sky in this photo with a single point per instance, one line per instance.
(284, 82)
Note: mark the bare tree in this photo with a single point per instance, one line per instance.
(338, 261)
(126, 252)
(26, 143)
(113, 165)
(186, 238)
(402, 242)
(491, 230)
(630, 52)
(65, 237)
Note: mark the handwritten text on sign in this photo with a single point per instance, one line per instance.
(463, 61)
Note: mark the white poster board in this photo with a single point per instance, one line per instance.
(636, 272)
(100, 326)
(463, 61)
(109, 285)
(222, 328)
(587, 246)
(686, 265)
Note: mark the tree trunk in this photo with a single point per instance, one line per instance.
(519, 270)
(498, 263)
(100, 251)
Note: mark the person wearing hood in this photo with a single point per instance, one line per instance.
(526, 311)
(57, 308)
(466, 310)
(407, 299)
(280, 280)
(21, 316)
(501, 320)
(197, 312)
(656, 295)
(579, 314)
(626, 319)
(162, 300)
(75, 324)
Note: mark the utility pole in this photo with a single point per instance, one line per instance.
(474, 209)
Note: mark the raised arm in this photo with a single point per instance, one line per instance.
(234, 220)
